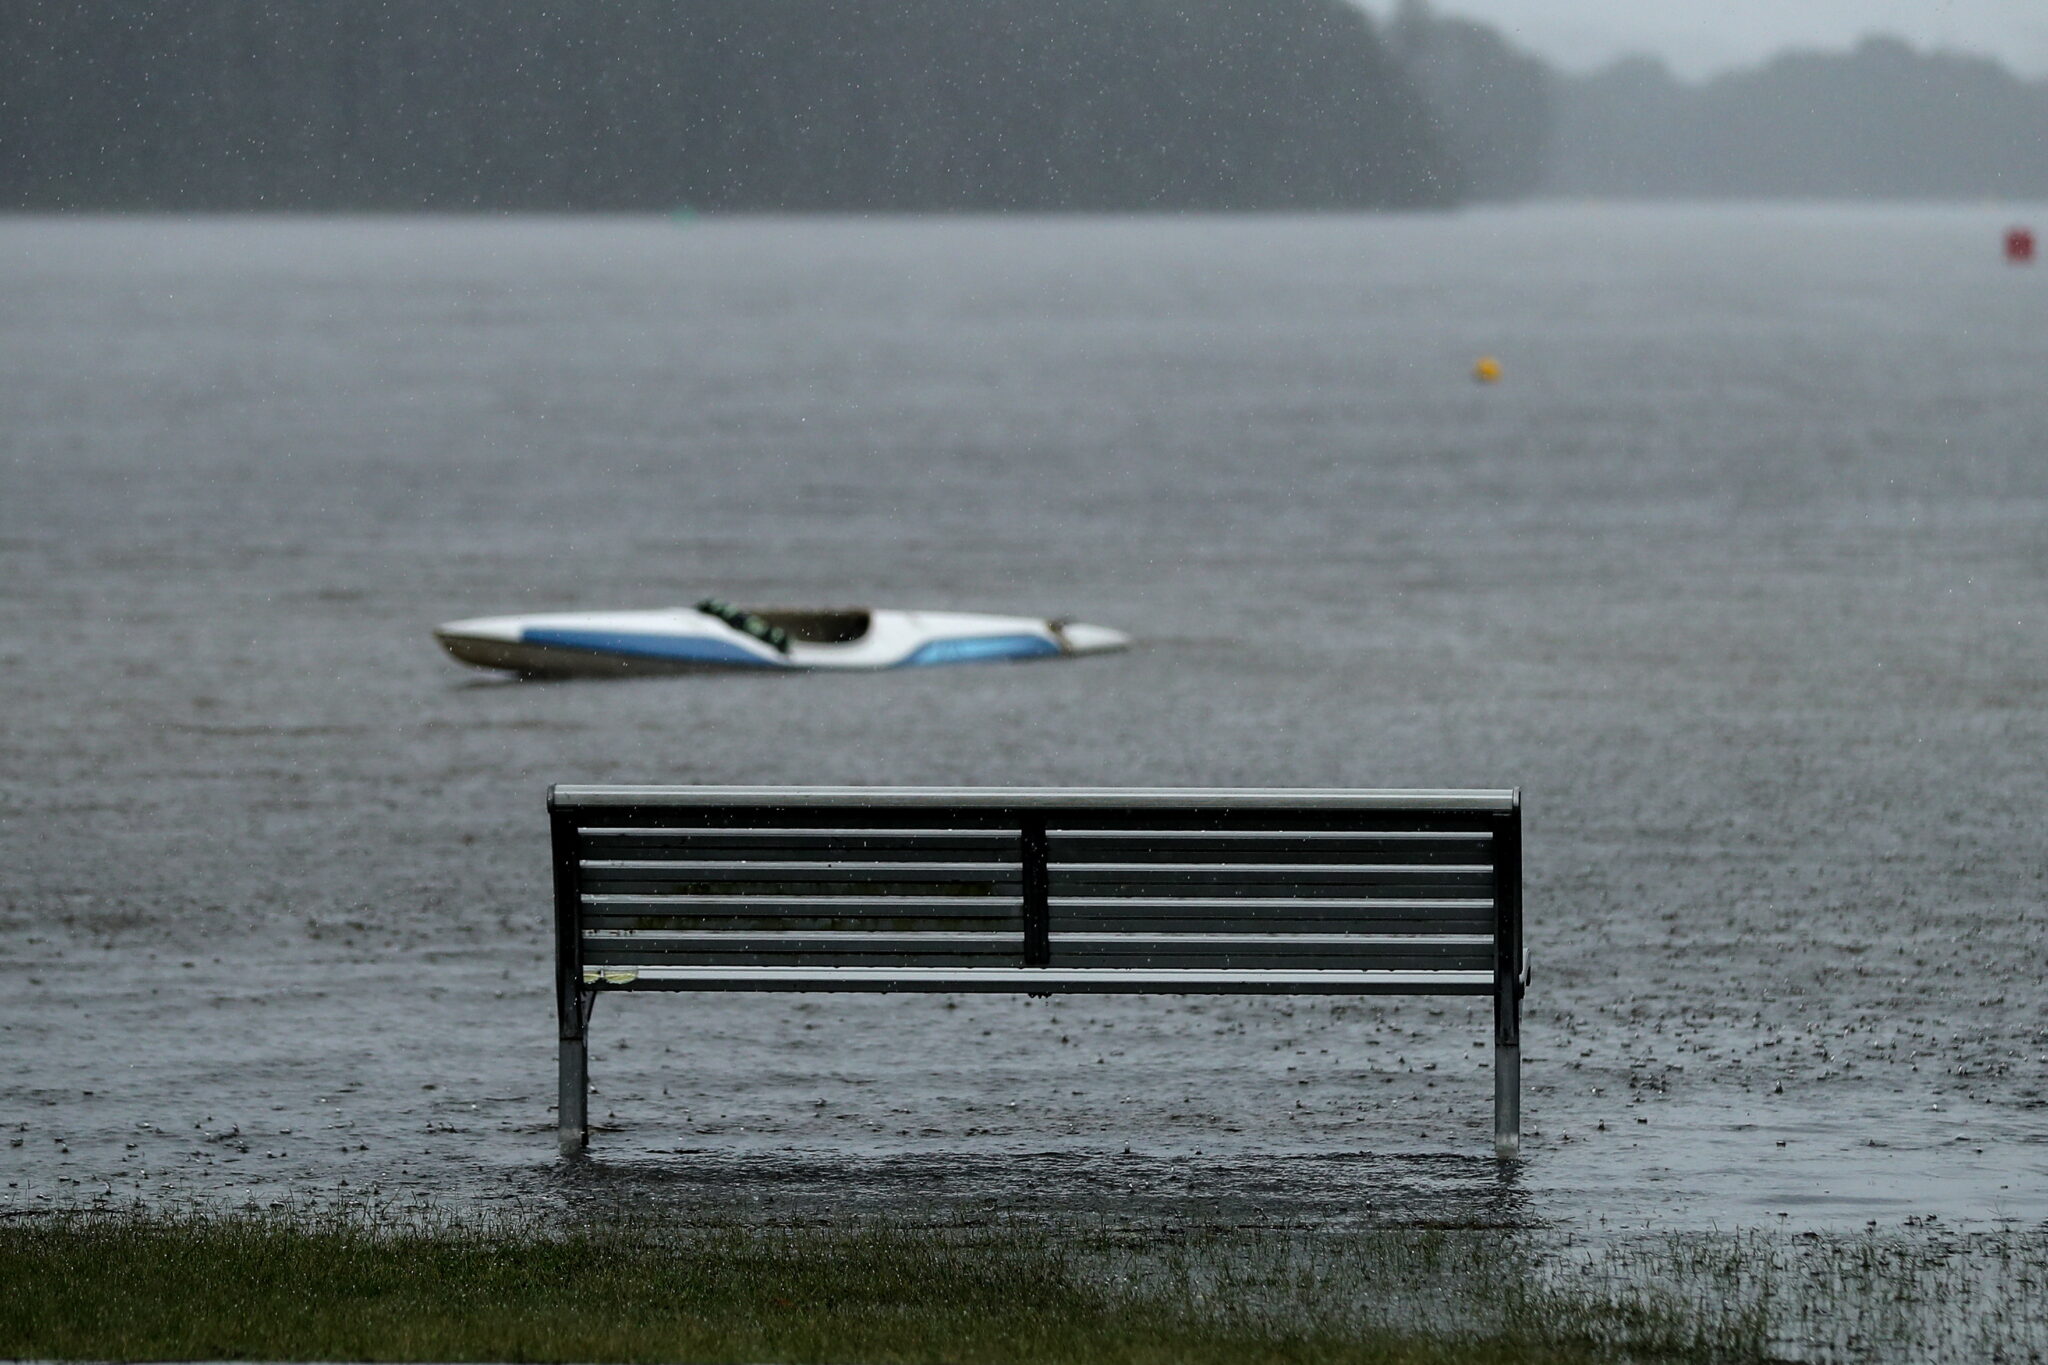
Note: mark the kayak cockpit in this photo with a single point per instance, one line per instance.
(828, 627)
(780, 627)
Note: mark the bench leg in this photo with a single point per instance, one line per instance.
(574, 1104)
(1507, 1100)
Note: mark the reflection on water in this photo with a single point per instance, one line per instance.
(1104, 1188)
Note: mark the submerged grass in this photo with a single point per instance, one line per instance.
(353, 1287)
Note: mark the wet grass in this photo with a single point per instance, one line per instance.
(350, 1287)
(223, 1287)
(1912, 1294)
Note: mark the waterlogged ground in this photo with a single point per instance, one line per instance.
(1741, 574)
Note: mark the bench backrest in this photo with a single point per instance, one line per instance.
(1251, 887)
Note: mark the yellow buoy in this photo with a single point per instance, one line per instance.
(1486, 370)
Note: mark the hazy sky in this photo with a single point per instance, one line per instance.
(1699, 37)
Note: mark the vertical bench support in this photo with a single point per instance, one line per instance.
(1036, 877)
(1507, 984)
(574, 1103)
(572, 1002)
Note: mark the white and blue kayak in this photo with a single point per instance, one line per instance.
(717, 635)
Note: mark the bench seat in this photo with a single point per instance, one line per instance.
(1087, 980)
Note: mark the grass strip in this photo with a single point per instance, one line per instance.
(265, 1287)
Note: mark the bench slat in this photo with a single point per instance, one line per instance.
(1001, 820)
(910, 845)
(1290, 872)
(1252, 938)
(783, 935)
(771, 905)
(1256, 914)
(1301, 881)
(1321, 906)
(573, 796)
(838, 962)
(1287, 847)
(798, 869)
(1059, 980)
(806, 949)
(1165, 927)
(1368, 957)
(1226, 836)
(874, 913)
(833, 949)
(836, 832)
(879, 913)
(866, 923)
(644, 877)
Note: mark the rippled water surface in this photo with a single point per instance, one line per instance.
(1741, 573)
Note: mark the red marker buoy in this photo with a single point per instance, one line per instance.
(2019, 246)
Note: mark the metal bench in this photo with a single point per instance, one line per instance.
(1037, 890)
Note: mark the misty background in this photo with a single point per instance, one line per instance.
(927, 105)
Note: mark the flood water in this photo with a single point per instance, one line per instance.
(1740, 573)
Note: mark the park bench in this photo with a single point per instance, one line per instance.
(1037, 890)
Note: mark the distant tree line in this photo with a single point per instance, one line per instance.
(1490, 101)
(1881, 121)
(941, 104)
(712, 104)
